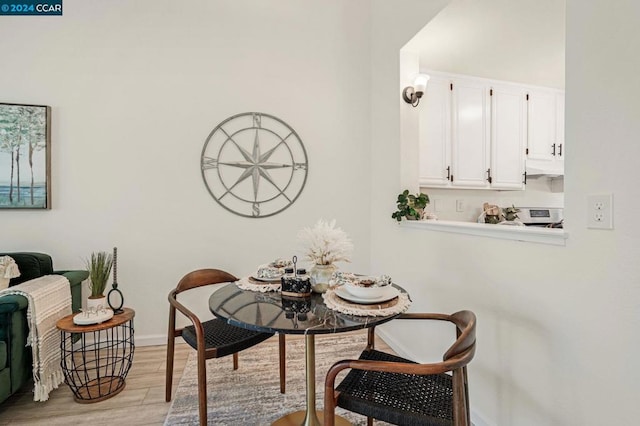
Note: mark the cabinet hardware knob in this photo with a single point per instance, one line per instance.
(560, 153)
(489, 179)
(554, 150)
(448, 172)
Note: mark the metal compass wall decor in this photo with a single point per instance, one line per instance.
(254, 164)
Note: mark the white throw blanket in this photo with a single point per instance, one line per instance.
(8, 269)
(49, 300)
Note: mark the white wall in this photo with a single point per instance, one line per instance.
(135, 89)
(557, 336)
(519, 41)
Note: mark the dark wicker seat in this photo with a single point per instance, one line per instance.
(213, 338)
(403, 392)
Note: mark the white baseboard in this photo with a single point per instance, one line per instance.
(478, 420)
(401, 350)
(150, 340)
(153, 340)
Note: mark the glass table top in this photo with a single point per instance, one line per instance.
(272, 312)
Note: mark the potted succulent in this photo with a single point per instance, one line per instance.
(410, 206)
(99, 267)
(510, 213)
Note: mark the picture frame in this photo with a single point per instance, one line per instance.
(25, 156)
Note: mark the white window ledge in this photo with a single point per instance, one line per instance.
(506, 232)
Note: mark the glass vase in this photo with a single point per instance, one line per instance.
(320, 276)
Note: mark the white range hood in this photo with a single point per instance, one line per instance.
(544, 169)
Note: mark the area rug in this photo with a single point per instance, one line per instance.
(251, 395)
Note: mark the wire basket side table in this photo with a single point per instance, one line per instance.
(95, 367)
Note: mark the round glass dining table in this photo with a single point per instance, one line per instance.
(274, 313)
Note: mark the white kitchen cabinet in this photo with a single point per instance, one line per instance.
(435, 133)
(454, 133)
(508, 136)
(545, 141)
(470, 134)
(560, 126)
(467, 138)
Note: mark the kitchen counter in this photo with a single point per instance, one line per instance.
(506, 232)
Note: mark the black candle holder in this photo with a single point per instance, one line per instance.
(117, 309)
(295, 282)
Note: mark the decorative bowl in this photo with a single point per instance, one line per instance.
(365, 288)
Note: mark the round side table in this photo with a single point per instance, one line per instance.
(96, 366)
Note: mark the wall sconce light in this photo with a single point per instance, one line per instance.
(412, 94)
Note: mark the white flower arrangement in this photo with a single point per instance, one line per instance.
(326, 244)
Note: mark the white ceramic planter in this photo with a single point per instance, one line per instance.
(97, 304)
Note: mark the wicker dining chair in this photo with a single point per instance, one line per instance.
(402, 392)
(213, 338)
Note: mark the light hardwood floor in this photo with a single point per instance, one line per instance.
(140, 403)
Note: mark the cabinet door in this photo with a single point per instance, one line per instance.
(435, 133)
(541, 125)
(508, 135)
(560, 126)
(470, 137)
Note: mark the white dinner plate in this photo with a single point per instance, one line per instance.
(390, 293)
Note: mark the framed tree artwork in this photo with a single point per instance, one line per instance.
(25, 156)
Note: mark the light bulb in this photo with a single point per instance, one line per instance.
(420, 83)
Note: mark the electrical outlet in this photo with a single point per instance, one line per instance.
(600, 211)
(437, 205)
(459, 205)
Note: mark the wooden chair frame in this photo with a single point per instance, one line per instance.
(195, 279)
(455, 359)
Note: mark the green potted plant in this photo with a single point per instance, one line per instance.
(510, 213)
(410, 206)
(99, 267)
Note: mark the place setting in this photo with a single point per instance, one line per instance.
(365, 295)
(267, 277)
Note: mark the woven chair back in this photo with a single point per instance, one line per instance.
(202, 277)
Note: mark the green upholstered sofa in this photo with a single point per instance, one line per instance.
(15, 356)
